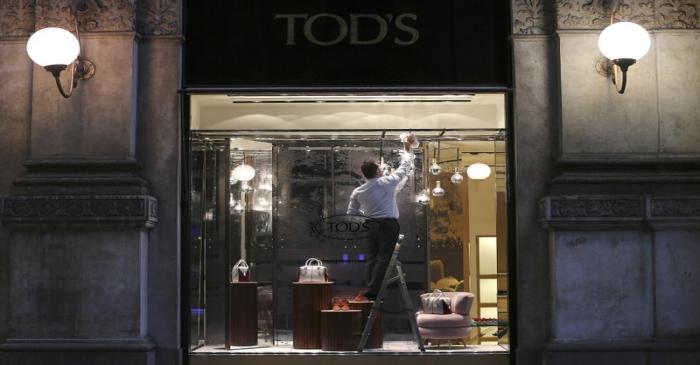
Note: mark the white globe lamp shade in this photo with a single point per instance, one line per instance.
(243, 173)
(53, 46)
(478, 171)
(624, 40)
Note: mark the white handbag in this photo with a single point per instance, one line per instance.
(240, 273)
(436, 303)
(313, 271)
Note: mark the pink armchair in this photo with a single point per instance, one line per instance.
(447, 326)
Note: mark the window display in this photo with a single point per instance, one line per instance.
(282, 246)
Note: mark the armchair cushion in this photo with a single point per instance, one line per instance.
(460, 302)
(442, 320)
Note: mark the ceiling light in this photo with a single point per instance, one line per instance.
(243, 172)
(478, 171)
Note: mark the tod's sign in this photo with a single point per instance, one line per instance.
(347, 43)
(343, 227)
(399, 29)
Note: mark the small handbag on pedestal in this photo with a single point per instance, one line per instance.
(240, 272)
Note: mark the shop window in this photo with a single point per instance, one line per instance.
(294, 208)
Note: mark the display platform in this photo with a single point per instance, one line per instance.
(390, 348)
(406, 352)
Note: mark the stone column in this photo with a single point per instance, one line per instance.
(80, 247)
(622, 210)
(535, 99)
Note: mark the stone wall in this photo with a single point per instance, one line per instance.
(611, 277)
(90, 262)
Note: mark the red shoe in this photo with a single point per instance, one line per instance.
(335, 302)
(360, 297)
(344, 304)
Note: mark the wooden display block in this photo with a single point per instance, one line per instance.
(376, 337)
(340, 330)
(309, 299)
(243, 314)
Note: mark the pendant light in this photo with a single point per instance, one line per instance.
(457, 178)
(422, 198)
(243, 172)
(238, 208)
(438, 191)
(478, 171)
(435, 169)
(245, 188)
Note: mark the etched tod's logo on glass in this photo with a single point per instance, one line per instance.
(399, 29)
(343, 227)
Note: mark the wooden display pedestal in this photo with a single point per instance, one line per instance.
(243, 315)
(309, 299)
(376, 337)
(340, 330)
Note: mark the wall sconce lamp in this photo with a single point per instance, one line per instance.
(623, 43)
(57, 49)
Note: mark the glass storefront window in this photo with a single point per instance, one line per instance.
(294, 208)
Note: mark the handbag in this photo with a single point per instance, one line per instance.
(313, 271)
(436, 303)
(240, 272)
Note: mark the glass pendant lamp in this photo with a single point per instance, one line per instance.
(422, 198)
(438, 191)
(457, 178)
(435, 169)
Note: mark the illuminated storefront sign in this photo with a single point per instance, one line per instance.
(340, 43)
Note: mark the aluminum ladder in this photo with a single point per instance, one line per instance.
(408, 304)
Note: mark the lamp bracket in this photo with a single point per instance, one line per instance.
(84, 68)
(611, 68)
(81, 69)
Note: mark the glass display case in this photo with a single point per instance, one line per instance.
(288, 203)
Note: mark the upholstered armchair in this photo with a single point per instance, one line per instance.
(447, 326)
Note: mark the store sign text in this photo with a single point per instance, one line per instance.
(399, 29)
(343, 227)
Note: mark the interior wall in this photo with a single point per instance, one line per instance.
(217, 112)
(482, 210)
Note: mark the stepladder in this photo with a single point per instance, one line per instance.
(394, 273)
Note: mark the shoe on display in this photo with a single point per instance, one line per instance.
(344, 304)
(336, 303)
(360, 297)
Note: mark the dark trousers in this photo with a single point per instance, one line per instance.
(381, 245)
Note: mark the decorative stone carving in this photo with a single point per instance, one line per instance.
(677, 14)
(675, 207)
(586, 207)
(119, 210)
(97, 16)
(616, 211)
(595, 14)
(159, 17)
(16, 18)
(532, 17)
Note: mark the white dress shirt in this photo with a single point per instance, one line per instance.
(376, 198)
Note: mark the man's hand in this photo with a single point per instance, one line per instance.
(409, 142)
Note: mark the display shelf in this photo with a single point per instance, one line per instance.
(308, 301)
(243, 314)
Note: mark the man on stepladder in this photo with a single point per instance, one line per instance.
(376, 199)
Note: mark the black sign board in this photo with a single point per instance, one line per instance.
(347, 43)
